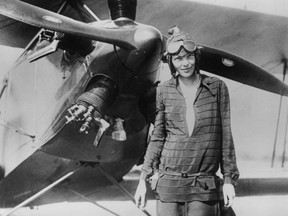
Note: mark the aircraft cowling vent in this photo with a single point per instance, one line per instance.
(100, 95)
(122, 8)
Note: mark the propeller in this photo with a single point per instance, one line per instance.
(235, 68)
(42, 18)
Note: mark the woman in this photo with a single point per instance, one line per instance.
(191, 139)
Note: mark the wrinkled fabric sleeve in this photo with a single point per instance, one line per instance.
(153, 153)
(228, 161)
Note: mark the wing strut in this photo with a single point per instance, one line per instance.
(91, 12)
(41, 192)
(278, 122)
(91, 201)
(286, 127)
(285, 141)
(4, 86)
(110, 178)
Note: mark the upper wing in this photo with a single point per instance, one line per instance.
(17, 34)
(260, 38)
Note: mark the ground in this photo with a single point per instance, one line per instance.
(243, 206)
(271, 199)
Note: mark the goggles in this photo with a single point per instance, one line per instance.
(175, 47)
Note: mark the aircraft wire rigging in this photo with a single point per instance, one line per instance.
(16, 129)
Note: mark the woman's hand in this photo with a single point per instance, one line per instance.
(229, 194)
(140, 194)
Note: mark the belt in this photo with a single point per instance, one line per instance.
(208, 183)
(187, 175)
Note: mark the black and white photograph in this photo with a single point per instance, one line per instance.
(143, 107)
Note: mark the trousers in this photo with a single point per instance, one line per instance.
(194, 208)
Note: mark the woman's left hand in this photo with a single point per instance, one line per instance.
(229, 194)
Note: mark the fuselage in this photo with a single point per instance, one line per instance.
(39, 94)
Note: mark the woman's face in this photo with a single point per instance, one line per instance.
(184, 63)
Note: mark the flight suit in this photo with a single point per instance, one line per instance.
(187, 165)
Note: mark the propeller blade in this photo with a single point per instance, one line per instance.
(235, 68)
(42, 18)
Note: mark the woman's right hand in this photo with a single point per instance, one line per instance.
(140, 194)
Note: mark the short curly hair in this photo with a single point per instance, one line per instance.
(177, 35)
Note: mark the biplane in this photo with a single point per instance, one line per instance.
(79, 101)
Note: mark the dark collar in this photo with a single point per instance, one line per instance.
(205, 82)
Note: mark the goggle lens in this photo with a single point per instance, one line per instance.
(174, 47)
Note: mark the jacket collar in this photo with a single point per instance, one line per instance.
(205, 81)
